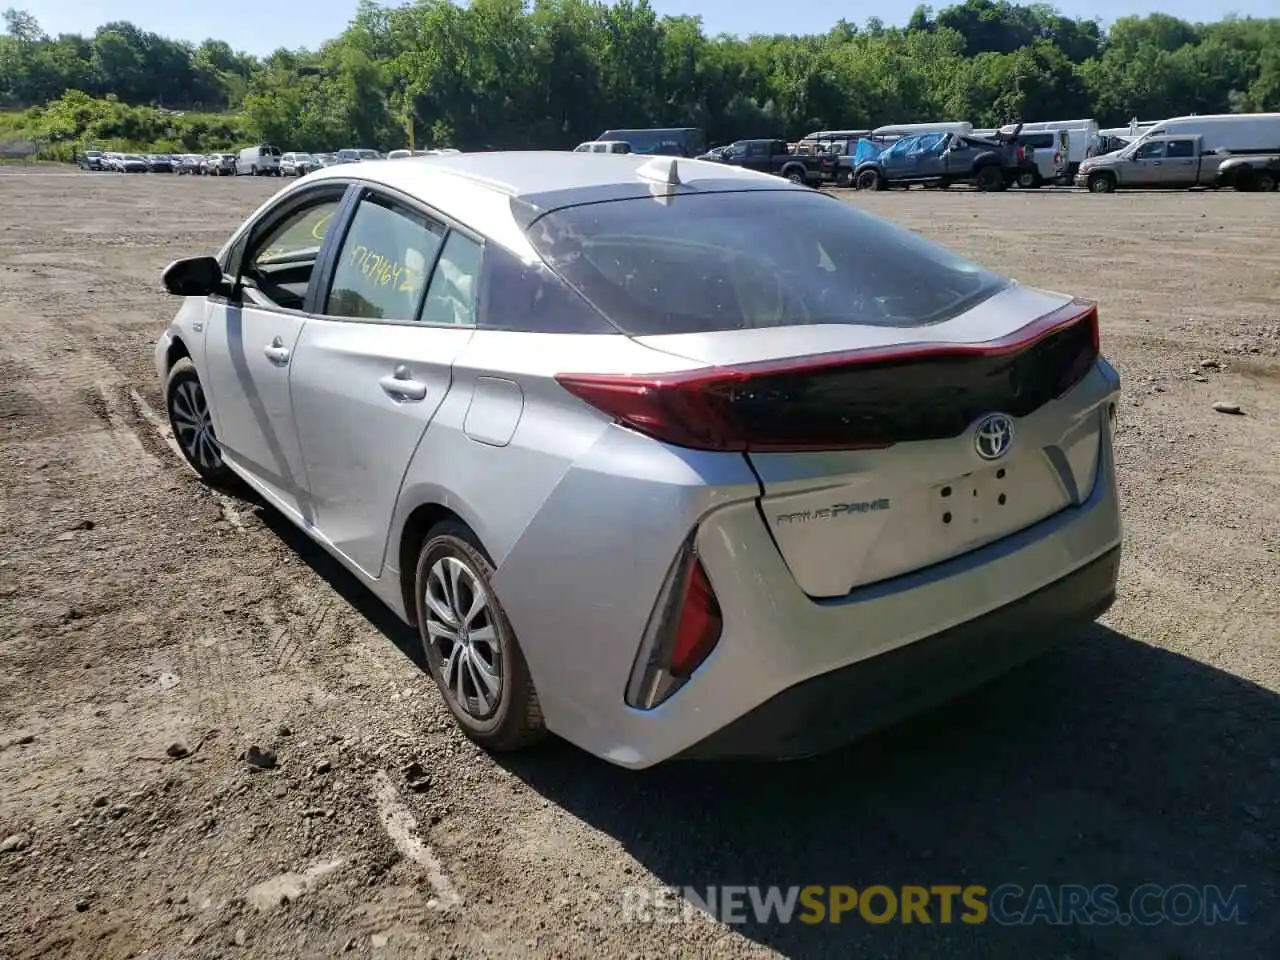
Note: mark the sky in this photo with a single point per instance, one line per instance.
(260, 27)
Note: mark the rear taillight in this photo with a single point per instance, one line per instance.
(857, 400)
(685, 627)
(1057, 159)
(1022, 154)
(1085, 354)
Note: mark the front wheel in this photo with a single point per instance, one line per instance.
(192, 424)
(470, 646)
(870, 180)
(1029, 180)
(1101, 183)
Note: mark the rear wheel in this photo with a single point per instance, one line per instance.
(470, 647)
(795, 175)
(989, 179)
(844, 178)
(192, 424)
(1264, 180)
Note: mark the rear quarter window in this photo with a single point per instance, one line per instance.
(753, 259)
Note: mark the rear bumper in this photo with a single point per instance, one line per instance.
(829, 710)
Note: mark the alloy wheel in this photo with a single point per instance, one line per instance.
(193, 425)
(462, 637)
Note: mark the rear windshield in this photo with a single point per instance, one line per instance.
(744, 260)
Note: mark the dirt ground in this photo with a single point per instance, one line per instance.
(142, 615)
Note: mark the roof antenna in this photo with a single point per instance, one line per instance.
(661, 170)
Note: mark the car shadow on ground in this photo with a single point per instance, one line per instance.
(362, 600)
(1104, 762)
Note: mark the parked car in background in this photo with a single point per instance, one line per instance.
(134, 163)
(1049, 159)
(1234, 133)
(663, 141)
(357, 154)
(90, 160)
(111, 161)
(604, 146)
(295, 164)
(1157, 161)
(160, 162)
(1259, 174)
(400, 154)
(190, 163)
(859, 474)
(941, 159)
(324, 160)
(772, 156)
(829, 141)
(220, 165)
(260, 160)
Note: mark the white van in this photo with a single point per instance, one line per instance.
(1225, 132)
(603, 146)
(260, 161)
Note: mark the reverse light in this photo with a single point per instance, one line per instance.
(683, 631)
(855, 400)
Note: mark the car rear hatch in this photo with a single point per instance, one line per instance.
(899, 405)
(880, 460)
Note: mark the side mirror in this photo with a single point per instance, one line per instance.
(194, 277)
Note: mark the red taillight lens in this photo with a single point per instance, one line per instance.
(699, 624)
(1057, 159)
(857, 400)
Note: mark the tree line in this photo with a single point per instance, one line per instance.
(509, 73)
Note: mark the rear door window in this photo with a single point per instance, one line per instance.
(451, 297)
(383, 264)
(752, 259)
(1180, 149)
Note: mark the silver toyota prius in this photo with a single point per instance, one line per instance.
(668, 458)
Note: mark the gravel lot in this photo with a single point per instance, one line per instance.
(141, 615)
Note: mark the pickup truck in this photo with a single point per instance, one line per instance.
(941, 159)
(1172, 162)
(772, 156)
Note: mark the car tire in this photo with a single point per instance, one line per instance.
(1264, 181)
(1100, 183)
(192, 424)
(454, 571)
(870, 180)
(844, 178)
(989, 179)
(1029, 180)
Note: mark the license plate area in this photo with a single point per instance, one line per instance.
(977, 503)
